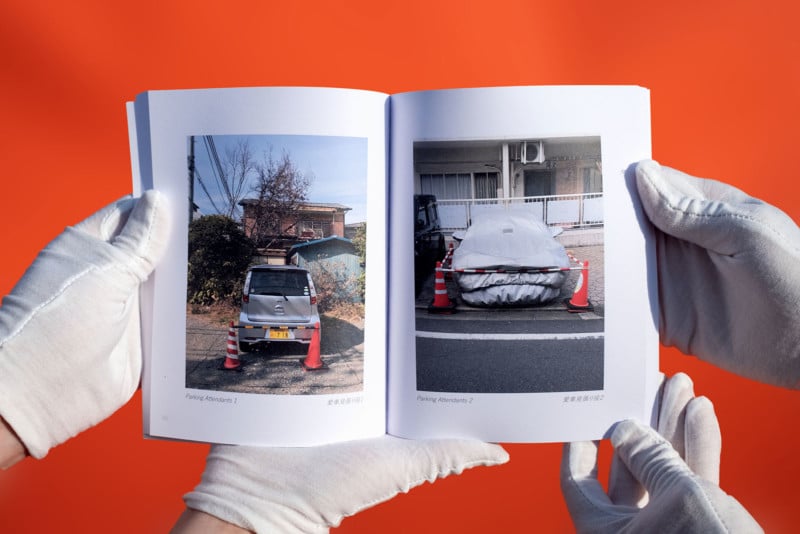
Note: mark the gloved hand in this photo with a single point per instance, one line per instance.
(312, 489)
(678, 466)
(729, 288)
(70, 347)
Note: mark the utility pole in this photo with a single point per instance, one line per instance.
(191, 178)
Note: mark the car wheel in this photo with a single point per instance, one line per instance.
(245, 347)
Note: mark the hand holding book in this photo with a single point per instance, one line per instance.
(70, 346)
(727, 269)
(310, 489)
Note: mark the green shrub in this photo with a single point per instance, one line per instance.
(219, 254)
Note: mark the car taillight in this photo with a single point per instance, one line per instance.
(313, 299)
(245, 298)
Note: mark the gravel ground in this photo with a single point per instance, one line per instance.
(276, 369)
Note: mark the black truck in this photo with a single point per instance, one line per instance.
(429, 244)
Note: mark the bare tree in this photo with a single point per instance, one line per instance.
(240, 168)
(280, 189)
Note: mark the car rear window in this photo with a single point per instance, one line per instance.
(287, 283)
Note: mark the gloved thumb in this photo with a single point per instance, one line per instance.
(136, 228)
(708, 213)
(145, 232)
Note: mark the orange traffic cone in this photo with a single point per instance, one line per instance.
(441, 302)
(313, 362)
(232, 357)
(580, 298)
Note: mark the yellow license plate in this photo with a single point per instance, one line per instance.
(279, 334)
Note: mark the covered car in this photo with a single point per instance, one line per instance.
(519, 247)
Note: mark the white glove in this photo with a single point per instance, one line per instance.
(312, 489)
(681, 496)
(729, 282)
(70, 348)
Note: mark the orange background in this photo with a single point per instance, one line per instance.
(724, 82)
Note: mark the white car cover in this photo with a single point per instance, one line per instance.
(512, 242)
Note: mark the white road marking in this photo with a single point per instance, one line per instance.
(512, 337)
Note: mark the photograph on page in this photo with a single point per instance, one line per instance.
(276, 264)
(505, 233)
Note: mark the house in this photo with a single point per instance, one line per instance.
(559, 180)
(311, 221)
(351, 230)
(333, 261)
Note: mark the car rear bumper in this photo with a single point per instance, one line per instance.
(256, 332)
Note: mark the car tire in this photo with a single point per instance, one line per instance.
(245, 347)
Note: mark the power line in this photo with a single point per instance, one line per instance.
(222, 179)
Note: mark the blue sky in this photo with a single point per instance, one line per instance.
(338, 166)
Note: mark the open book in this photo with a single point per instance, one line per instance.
(461, 263)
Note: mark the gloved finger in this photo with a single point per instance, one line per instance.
(708, 213)
(145, 232)
(650, 458)
(677, 392)
(703, 439)
(582, 491)
(623, 488)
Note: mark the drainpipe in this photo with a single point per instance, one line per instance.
(506, 173)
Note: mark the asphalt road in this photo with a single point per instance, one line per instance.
(514, 350)
(509, 351)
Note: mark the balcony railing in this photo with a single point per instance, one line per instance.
(573, 211)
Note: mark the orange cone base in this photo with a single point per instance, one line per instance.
(577, 308)
(440, 309)
(313, 365)
(231, 365)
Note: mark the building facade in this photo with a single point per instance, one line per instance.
(560, 180)
(311, 221)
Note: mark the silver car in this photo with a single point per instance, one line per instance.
(279, 304)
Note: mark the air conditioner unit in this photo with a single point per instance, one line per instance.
(532, 152)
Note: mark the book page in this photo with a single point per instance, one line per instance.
(529, 312)
(262, 324)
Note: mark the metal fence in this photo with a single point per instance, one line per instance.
(574, 211)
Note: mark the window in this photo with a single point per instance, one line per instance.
(459, 186)
(485, 184)
(446, 185)
(279, 282)
(539, 183)
(312, 229)
(592, 180)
